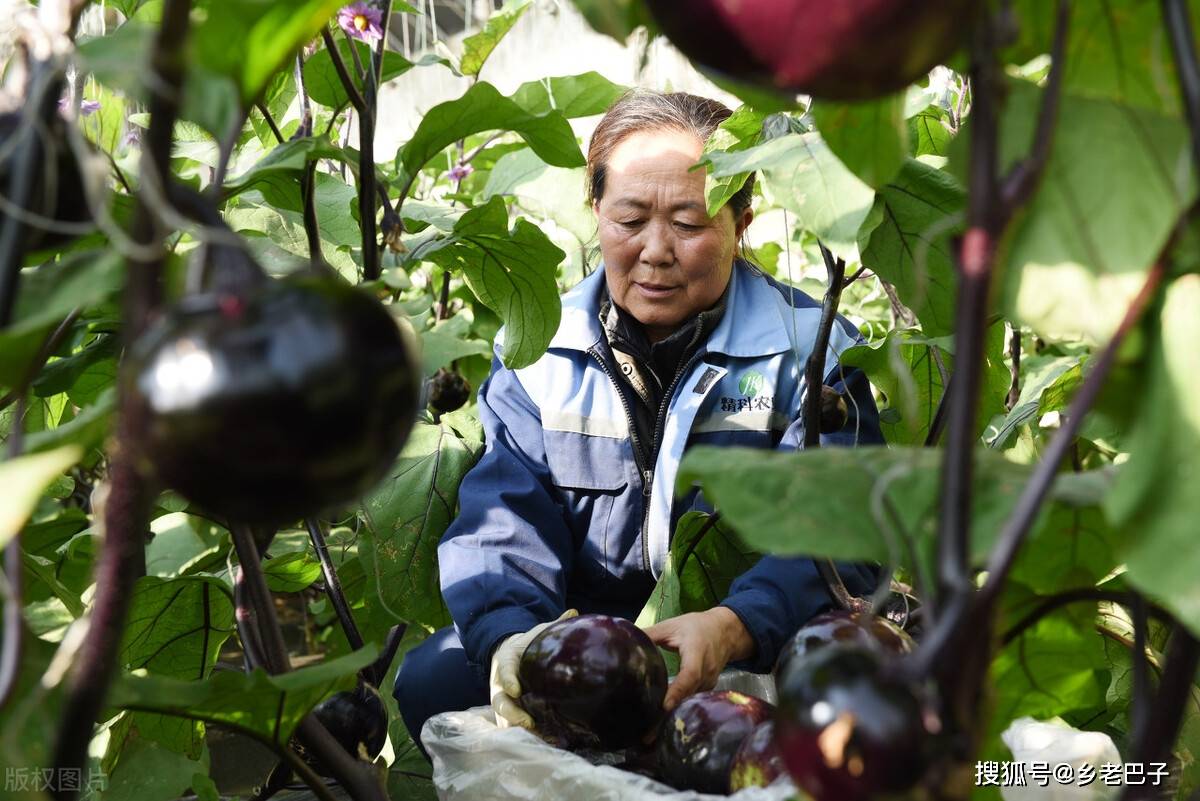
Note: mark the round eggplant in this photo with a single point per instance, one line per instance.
(841, 627)
(697, 742)
(277, 402)
(593, 681)
(757, 762)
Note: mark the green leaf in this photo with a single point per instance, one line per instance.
(182, 543)
(251, 41)
(325, 87)
(800, 173)
(86, 430)
(256, 703)
(1053, 669)
(449, 340)
(554, 193)
(929, 133)
(1157, 492)
(61, 374)
(30, 721)
(1040, 377)
(47, 295)
(22, 481)
(1081, 249)
(482, 108)
(903, 367)
(870, 138)
(1117, 50)
(616, 18)
(406, 517)
(512, 272)
(176, 626)
(284, 165)
(911, 248)
(291, 572)
(742, 130)
(43, 570)
(572, 96)
(880, 497)
(478, 46)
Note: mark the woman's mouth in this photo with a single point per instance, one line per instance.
(655, 290)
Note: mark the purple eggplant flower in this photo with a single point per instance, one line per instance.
(361, 21)
(89, 107)
(459, 172)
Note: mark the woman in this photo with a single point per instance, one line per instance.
(675, 342)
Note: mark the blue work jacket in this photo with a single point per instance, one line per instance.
(557, 514)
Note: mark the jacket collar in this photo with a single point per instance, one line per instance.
(755, 322)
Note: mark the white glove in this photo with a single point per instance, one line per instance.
(503, 686)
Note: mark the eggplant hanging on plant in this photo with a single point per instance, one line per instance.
(848, 50)
(271, 401)
(448, 390)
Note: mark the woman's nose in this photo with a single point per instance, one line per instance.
(658, 248)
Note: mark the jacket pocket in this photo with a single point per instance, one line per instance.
(591, 480)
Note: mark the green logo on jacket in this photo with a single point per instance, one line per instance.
(750, 384)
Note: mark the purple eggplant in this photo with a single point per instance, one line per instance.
(699, 739)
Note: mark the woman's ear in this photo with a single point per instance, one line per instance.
(743, 222)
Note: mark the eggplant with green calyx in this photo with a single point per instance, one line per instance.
(839, 626)
(593, 681)
(273, 402)
(698, 741)
(57, 193)
(757, 762)
(845, 50)
(834, 412)
(853, 727)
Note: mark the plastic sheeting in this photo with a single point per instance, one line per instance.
(474, 760)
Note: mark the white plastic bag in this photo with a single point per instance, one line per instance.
(1053, 742)
(474, 760)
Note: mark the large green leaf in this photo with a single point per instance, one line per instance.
(256, 703)
(406, 517)
(741, 131)
(323, 85)
(483, 108)
(1053, 669)
(1157, 493)
(870, 137)
(22, 481)
(449, 340)
(478, 46)
(911, 247)
(30, 720)
(801, 173)
(512, 272)
(176, 626)
(572, 96)
(875, 498)
(1116, 49)
(903, 367)
(555, 193)
(616, 18)
(281, 170)
(1081, 249)
(251, 41)
(47, 295)
(929, 132)
(148, 771)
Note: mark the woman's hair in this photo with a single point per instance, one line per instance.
(641, 110)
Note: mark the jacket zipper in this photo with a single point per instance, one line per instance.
(638, 454)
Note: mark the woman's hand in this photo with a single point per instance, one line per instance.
(706, 643)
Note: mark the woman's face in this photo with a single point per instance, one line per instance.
(665, 259)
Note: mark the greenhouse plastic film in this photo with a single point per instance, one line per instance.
(473, 760)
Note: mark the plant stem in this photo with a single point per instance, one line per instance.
(266, 115)
(127, 510)
(381, 45)
(1139, 713)
(814, 370)
(1060, 599)
(49, 346)
(443, 307)
(1179, 30)
(378, 670)
(13, 645)
(333, 587)
(352, 773)
(1174, 693)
